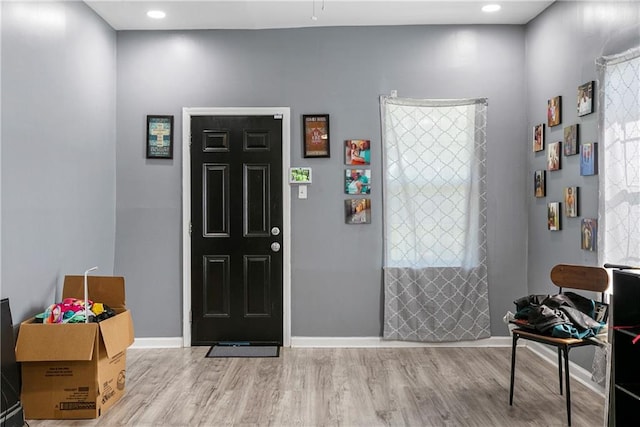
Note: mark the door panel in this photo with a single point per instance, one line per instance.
(236, 196)
(216, 286)
(257, 284)
(256, 201)
(215, 204)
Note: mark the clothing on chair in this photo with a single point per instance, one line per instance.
(566, 315)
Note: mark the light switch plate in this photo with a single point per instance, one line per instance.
(302, 191)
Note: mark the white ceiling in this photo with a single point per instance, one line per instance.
(259, 14)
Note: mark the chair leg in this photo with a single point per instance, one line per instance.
(560, 368)
(513, 367)
(567, 386)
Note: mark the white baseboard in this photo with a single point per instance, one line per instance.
(578, 372)
(373, 342)
(169, 342)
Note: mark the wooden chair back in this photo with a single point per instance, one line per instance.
(595, 279)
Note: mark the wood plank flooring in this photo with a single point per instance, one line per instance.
(344, 387)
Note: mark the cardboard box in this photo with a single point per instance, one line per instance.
(76, 370)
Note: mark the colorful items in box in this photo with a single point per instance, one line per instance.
(72, 310)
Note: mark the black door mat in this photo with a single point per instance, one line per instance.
(244, 351)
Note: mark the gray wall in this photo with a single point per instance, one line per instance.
(58, 149)
(562, 46)
(59, 146)
(336, 268)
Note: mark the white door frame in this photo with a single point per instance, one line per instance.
(187, 113)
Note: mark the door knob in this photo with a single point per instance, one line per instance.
(275, 231)
(275, 246)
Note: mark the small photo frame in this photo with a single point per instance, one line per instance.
(553, 156)
(159, 137)
(357, 211)
(571, 140)
(538, 137)
(571, 202)
(554, 111)
(300, 176)
(315, 135)
(357, 181)
(357, 152)
(539, 186)
(553, 216)
(589, 159)
(589, 234)
(585, 99)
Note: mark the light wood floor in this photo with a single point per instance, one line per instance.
(344, 387)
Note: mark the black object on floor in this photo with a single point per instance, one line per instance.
(11, 411)
(244, 351)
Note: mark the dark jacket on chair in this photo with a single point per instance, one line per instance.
(566, 315)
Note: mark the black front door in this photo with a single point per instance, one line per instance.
(236, 234)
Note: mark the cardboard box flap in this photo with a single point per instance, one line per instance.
(105, 289)
(117, 333)
(40, 343)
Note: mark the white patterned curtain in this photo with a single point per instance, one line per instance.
(619, 201)
(619, 210)
(435, 273)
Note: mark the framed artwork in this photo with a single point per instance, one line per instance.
(571, 202)
(589, 234)
(315, 135)
(585, 98)
(538, 137)
(571, 140)
(159, 137)
(589, 159)
(553, 216)
(300, 176)
(357, 211)
(357, 151)
(539, 188)
(554, 111)
(553, 156)
(357, 181)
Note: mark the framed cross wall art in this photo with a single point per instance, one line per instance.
(159, 137)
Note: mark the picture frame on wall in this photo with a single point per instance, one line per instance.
(589, 159)
(571, 140)
(357, 211)
(159, 137)
(553, 156)
(589, 234)
(316, 141)
(570, 202)
(539, 186)
(553, 216)
(538, 137)
(300, 175)
(585, 98)
(357, 181)
(357, 152)
(554, 111)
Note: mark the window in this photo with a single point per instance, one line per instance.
(620, 183)
(432, 186)
(435, 273)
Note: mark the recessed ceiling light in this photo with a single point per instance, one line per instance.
(491, 8)
(156, 14)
